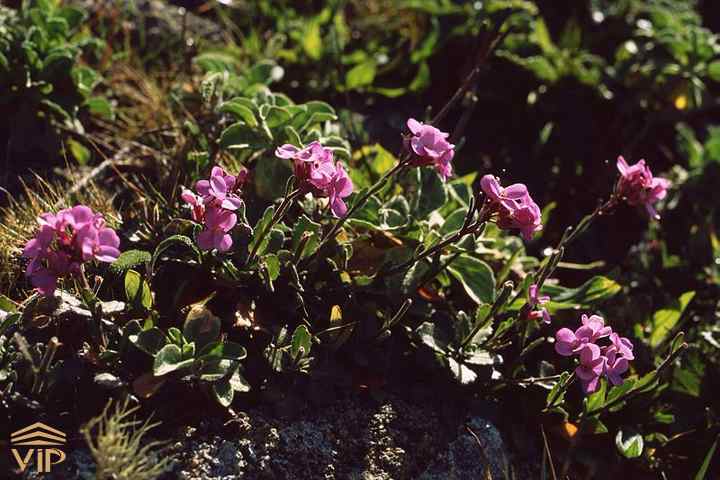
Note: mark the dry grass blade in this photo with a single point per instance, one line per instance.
(547, 452)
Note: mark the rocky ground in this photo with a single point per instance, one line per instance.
(354, 438)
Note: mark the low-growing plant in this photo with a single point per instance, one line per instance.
(282, 250)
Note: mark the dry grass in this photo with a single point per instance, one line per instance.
(115, 439)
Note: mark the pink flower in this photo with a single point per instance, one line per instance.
(622, 345)
(318, 173)
(44, 272)
(614, 365)
(218, 222)
(213, 206)
(339, 187)
(638, 186)
(196, 204)
(566, 342)
(610, 360)
(219, 189)
(66, 240)
(535, 300)
(596, 326)
(101, 244)
(429, 146)
(313, 165)
(513, 205)
(591, 367)
(41, 243)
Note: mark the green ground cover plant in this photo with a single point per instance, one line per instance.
(506, 201)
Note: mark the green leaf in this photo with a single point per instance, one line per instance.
(272, 263)
(475, 276)
(130, 259)
(212, 371)
(414, 276)
(86, 79)
(169, 242)
(225, 350)
(361, 75)
(453, 222)
(223, 392)
(596, 289)
(301, 342)
(619, 391)
(9, 320)
(239, 383)
(150, 341)
(305, 226)
(702, 471)
(713, 70)
(7, 305)
(217, 61)
(461, 372)
(137, 290)
(260, 230)
(265, 72)
(433, 336)
(201, 326)
(73, 16)
(431, 194)
(557, 393)
(594, 426)
(276, 117)
(480, 358)
(596, 400)
(629, 445)
(542, 37)
(312, 40)
(78, 150)
(270, 177)
(320, 111)
(664, 320)
(57, 64)
(101, 107)
(169, 359)
(239, 136)
(240, 110)
(689, 378)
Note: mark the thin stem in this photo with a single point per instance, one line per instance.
(547, 452)
(434, 249)
(570, 234)
(499, 302)
(402, 163)
(47, 359)
(467, 228)
(532, 380)
(482, 56)
(277, 216)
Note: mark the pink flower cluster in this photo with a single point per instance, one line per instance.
(429, 146)
(317, 172)
(513, 205)
(213, 206)
(535, 301)
(595, 361)
(638, 186)
(64, 242)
